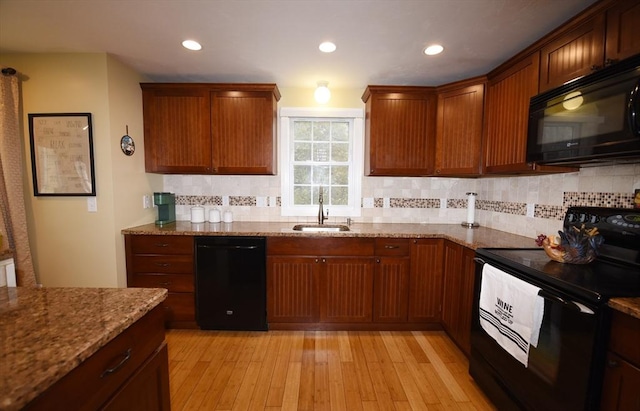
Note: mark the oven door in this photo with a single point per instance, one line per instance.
(563, 368)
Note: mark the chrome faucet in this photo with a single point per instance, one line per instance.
(321, 215)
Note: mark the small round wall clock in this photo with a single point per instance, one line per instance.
(127, 145)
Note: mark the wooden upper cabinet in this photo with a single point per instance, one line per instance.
(573, 54)
(200, 128)
(459, 128)
(507, 115)
(243, 127)
(623, 38)
(399, 130)
(176, 129)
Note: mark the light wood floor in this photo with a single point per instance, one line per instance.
(319, 370)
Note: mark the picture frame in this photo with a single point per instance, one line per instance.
(62, 154)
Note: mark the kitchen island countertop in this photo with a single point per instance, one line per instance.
(47, 332)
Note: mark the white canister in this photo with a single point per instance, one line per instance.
(214, 215)
(227, 217)
(197, 214)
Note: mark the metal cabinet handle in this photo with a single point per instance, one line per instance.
(110, 371)
(165, 283)
(378, 260)
(391, 246)
(161, 244)
(612, 363)
(163, 264)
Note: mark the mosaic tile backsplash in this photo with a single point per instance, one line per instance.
(525, 205)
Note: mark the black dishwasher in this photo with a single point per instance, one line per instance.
(231, 283)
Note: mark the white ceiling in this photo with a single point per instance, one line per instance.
(276, 41)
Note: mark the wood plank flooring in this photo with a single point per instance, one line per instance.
(319, 370)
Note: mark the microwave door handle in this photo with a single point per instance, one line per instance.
(633, 106)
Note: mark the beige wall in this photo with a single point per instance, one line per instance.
(72, 247)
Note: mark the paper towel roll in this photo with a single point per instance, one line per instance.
(471, 208)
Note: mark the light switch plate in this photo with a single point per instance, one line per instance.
(92, 205)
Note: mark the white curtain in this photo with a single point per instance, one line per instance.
(13, 224)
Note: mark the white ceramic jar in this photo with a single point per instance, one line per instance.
(197, 214)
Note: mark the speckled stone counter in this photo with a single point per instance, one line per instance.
(6, 254)
(47, 332)
(469, 237)
(630, 306)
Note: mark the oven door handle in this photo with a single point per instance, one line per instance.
(576, 306)
(479, 260)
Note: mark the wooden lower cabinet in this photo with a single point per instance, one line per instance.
(293, 289)
(425, 281)
(353, 283)
(131, 372)
(621, 386)
(347, 289)
(165, 261)
(457, 296)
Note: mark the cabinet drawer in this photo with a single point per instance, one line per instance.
(330, 246)
(161, 244)
(122, 355)
(392, 246)
(173, 282)
(163, 264)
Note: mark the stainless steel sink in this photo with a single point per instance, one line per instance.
(320, 228)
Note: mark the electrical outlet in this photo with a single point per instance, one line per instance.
(146, 201)
(92, 205)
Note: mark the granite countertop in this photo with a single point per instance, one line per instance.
(630, 306)
(47, 332)
(468, 237)
(6, 254)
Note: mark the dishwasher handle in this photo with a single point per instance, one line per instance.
(229, 247)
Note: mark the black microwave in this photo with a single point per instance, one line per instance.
(592, 120)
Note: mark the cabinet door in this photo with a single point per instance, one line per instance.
(507, 116)
(399, 131)
(425, 281)
(451, 297)
(390, 289)
(459, 131)
(348, 283)
(573, 54)
(621, 385)
(177, 135)
(623, 22)
(457, 296)
(243, 131)
(466, 299)
(292, 289)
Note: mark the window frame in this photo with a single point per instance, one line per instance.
(356, 165)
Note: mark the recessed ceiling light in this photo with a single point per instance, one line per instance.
(191, 45)
(433, 50)
(327, 47)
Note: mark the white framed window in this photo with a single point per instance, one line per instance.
(321, 148)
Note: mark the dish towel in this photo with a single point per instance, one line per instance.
(510, 311)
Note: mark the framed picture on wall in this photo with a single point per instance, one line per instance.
(62, 154)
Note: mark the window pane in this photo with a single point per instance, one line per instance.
(339, 196)
(340, 175)
(340, 152)
(340, 131)
(302, 130)
(321, 152)
(302, 152)
(321, 175)
(301, 174)
(321, 130)
(302, 195)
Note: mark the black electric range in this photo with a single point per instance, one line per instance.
(616, 271)
(565, 367)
